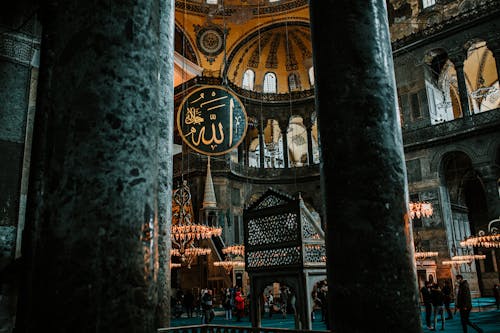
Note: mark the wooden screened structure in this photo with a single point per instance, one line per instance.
(284, 243)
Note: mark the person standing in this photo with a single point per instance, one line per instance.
(207, 305)
(464, 304)
(426, 298)
(438, 305)
(228, 307)
(189, 303)
(240, 305)
(447, 296)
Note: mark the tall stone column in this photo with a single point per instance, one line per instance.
(260, 130)
(489, 176)
(494, 46)
(283, 124)
(370, 268)
(458, 59)
(308, 123)
(18, 84)
(101, 179)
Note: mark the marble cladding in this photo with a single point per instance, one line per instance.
(101, 159)
(363, 171)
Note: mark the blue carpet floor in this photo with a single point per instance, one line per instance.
(484, 314)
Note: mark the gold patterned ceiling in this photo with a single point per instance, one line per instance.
(237, 7)
(283, 49)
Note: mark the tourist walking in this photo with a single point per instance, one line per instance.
(464, 304)
(426, 298)
(447, 296)
(437, 298)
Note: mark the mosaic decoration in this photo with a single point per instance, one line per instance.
(210, 40)
(306, 53)
(291, 60)
(273, 229)
(274, 257)
(272, 57)
(254, 60)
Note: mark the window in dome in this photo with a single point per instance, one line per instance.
(270, 83)
(293, 82)
(428, 3)
(248, 79)
(211, 2)
(311, 76)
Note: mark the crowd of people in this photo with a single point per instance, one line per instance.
(437, 300)
(202, 304)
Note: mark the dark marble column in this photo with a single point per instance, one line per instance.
(494, 46)
(490, 173)
(240, 152)
(308, 123)
(283, 124)
(18, 84)
(458, 60)
(260, 130)
(371, 272)
(101, 175)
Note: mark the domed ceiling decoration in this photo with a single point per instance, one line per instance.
(243, 9)
(282, 48)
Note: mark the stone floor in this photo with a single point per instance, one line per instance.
(484, 314)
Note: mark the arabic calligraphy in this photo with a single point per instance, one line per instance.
(212, 120)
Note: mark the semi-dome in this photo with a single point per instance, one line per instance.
(275, 59)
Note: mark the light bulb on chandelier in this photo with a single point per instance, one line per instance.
(420, 209)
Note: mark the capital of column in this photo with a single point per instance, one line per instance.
(18, 48)
(283, 124)
(457, 57)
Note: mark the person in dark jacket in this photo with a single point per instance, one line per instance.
(437, 298)
(464, 304)
(447, 296)
(426, 298)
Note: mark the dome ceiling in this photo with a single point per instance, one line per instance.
(282, 49)
(235, 8)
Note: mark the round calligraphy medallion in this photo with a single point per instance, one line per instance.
(212, 120)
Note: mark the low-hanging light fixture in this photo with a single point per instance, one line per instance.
(485, 238)
(184, 230)
(420, 209)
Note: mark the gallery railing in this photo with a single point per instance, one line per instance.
(232, 329)
(480, 122)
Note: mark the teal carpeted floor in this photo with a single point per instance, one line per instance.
(484, 314)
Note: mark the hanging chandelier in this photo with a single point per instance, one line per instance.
(184, 231)
(469, 257)
(237, 250)
(456, 262)
(425, 254)
(485, 238)
(228, 264)
(420, 209)
(234, 258)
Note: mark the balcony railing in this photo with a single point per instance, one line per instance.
(479, 122)
(232, 329)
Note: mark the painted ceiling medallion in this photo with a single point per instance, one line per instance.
(210, 40)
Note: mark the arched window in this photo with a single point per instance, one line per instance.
(248, 79)
(293, 82)
(270, 84)
(311, 76)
